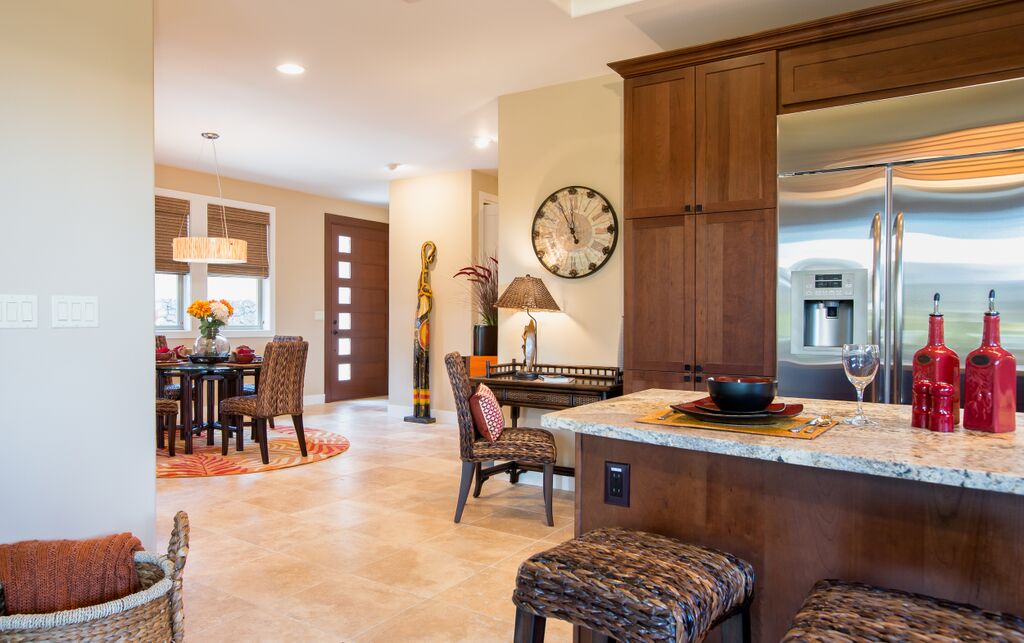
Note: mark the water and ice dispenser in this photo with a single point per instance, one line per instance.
(830, 308)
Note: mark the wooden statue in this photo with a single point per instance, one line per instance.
(530, 346)
(421, 340)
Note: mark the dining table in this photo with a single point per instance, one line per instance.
(223, 380)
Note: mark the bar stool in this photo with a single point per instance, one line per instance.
(631, 585)
(840, 610)
(166, 413)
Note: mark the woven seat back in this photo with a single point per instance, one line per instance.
(462, 390)
(281, 379)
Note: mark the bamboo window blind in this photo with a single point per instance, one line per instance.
(251, 226)
(171, 222)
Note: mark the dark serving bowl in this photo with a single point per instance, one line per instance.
(742, 394)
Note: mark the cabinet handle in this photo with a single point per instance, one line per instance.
(700, 207)
(698, 369)
(697, 378)
(686, 368)
(687, 208)
(686, 378)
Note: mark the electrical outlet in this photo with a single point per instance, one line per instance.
(616, 483)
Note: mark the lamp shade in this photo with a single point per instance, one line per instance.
(209, 250)
(528, 293)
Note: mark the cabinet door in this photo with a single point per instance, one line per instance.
(659, 306)
(735, 293)
(736, 106)
(634, 381)
(659, 145)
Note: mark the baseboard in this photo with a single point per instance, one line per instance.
(401, 410)
(313, 399)
(535, 478)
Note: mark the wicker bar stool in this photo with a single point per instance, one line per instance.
(843, 611)
(166, 420)
(634, 586)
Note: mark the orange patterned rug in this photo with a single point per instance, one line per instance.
(283, 446)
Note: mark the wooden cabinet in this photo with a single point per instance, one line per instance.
(701, 139)
(735, 133)
(659, 144)
(735, 293)
(699, 298)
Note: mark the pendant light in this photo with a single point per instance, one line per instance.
(211, 249)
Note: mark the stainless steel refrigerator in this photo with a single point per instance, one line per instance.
(863, 249)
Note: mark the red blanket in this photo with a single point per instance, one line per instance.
(41, 576)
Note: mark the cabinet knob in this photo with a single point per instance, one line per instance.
(700, 207)
(697, 378)
(698, 369)
(687, 208)
(686, 378)
(686, 368)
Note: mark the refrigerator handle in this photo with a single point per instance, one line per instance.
(897, 298)
(876, 289)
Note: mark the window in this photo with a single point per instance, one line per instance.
(247, 286)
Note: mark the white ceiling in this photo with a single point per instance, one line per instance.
(396, 81)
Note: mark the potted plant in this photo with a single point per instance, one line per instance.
(483, 283)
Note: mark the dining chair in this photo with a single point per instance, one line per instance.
(515, 445)
(250, 389)
(166, 419)
(280, 393)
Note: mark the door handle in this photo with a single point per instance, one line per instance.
(897, 299)
(876, 287)
(334, 332)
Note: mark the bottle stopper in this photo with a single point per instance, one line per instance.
(935, 306)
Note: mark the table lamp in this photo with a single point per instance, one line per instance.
(528, 293)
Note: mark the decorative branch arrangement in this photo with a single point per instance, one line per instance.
(484, 287)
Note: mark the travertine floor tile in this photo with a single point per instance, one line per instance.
(420, 571)
(440, 622)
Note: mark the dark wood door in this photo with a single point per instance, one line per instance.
(736, 168)
(659, 310)
(735, 293)
(356, 305)
(659, 145)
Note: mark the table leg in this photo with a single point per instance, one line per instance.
(514, 412)
(209, 424)
(186, 409)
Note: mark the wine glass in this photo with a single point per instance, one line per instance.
(860, 361)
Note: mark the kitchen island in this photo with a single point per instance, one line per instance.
(891, 505)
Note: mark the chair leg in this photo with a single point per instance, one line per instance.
(529, 628)
(468, 469)
(225, 437)
(171, 422)
(479, 480)
(160, 421)
(261, 435)
(549, 482)
(736, 628)
(299, 431)
(239, 431)
(271, 421)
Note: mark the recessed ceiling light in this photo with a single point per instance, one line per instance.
(482, 141)
(393, 166)
(291, 69)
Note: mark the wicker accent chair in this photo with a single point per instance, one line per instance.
(250, 389)
(280, 393)
(520, 445)
(629, 585)
(839, 610)
(166, 420)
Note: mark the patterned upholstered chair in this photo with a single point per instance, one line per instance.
(634, 586)
(166, 419)
(839, 610)
(280, 393)
(250, 389)
(520, 445)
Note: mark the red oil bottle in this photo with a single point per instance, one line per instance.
(990, 391)
(937, 362)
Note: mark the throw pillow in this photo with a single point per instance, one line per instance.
(487, 415)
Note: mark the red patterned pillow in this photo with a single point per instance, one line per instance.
(487, 415)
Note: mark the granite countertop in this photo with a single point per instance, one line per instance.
(892, 448)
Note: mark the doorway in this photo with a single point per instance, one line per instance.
(356, 306)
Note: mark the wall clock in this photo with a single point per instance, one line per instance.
(575, 231)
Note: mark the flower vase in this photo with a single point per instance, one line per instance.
(212, 347)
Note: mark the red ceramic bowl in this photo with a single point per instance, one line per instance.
(244, 358)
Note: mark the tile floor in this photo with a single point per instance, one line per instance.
(360, 547)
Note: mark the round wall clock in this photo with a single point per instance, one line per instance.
(575, 231)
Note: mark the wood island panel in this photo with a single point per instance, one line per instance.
(799, 524)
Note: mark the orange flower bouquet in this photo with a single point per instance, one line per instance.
(212, 315)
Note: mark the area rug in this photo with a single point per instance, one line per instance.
(283, 446)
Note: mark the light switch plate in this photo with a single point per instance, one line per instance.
(19, 311)
(74, 311)
(318, 315)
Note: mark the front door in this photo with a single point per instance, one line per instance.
(356, 306)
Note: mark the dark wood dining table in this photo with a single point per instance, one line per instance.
(228, 376)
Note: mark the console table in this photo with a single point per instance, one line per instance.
(590, 384)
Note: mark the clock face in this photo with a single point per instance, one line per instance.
(574, 232)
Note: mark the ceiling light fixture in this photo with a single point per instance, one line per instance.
(291, 69)
(483, 141)
(393, 166)
(211, 249)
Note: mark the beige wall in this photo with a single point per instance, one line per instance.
(441, 208)
(569, 134)
(77, 448)
(298, 254)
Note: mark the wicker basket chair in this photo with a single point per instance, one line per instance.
(250, 389)
(154, 613)
(166, 421)
(519, 445)
(280, 393)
